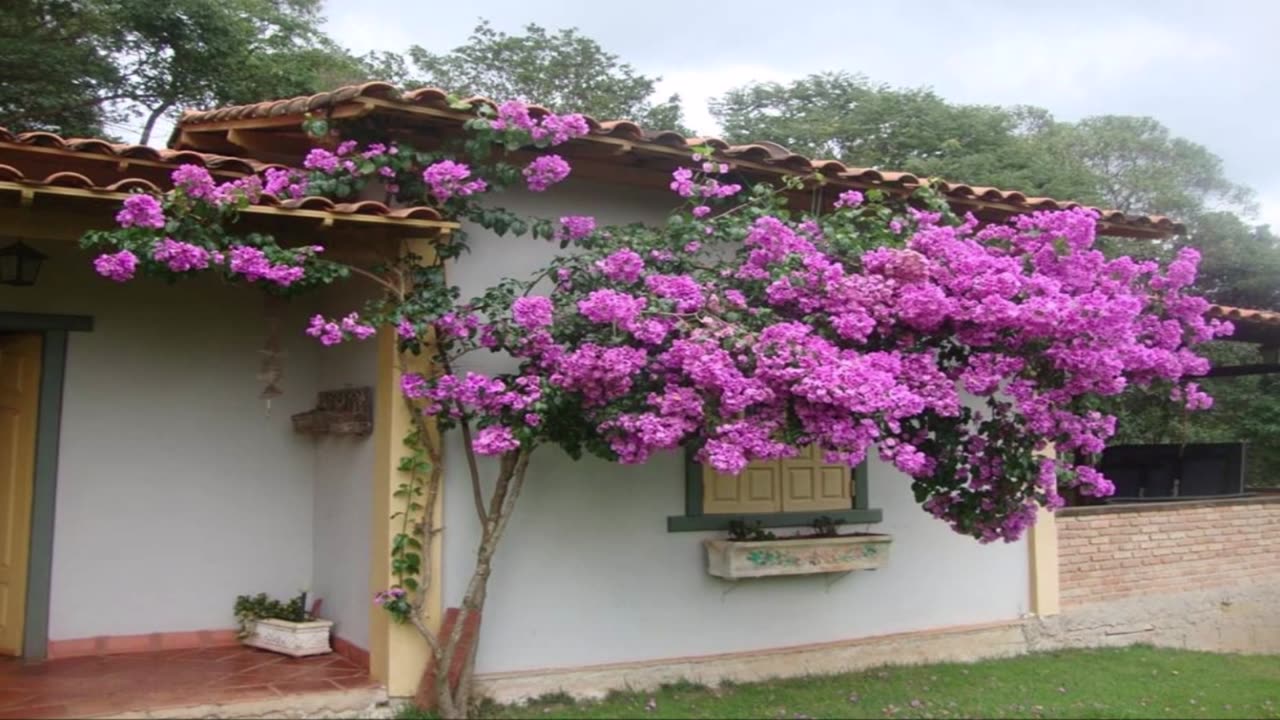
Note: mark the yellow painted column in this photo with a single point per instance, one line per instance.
(397, 653)
(1042, 548)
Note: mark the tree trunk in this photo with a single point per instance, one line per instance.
(455, 702)
(155, 115)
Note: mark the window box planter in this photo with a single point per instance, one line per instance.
(735, 559)
(296, 639)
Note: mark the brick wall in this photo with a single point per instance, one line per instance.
(1112, 552)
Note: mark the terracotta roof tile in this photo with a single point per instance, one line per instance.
(43, 159)
(1248, 315)
(766, 153)
(1253, 326)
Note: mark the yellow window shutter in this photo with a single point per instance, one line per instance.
(810, 484)
(758, 489)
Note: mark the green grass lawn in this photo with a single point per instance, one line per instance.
(1136, 682)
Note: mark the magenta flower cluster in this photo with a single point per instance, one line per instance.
(180, 256)
(383, 597)
(330, 162)
(195, 192)
(332, 332)
(253, 264)
(118, 266)
(142, 211)
(448, 179)
(285, 183)
(547, 129)
(545, 171)
(687, 184)
(575, 227)
(984, 336)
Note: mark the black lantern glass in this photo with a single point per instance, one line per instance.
(20, 264)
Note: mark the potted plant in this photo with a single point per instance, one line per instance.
(283, 627)
(752, 551)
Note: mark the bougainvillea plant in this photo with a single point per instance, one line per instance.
(961, 353)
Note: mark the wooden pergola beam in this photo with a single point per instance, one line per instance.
(1243, 370)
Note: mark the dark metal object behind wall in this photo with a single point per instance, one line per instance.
(1173, 471)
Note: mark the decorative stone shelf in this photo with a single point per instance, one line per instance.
(736, 559)
(338, 412)
(296, 639)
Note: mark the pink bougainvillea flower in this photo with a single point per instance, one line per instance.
(849, 198)
(576, 227)
(545, 171)
(180, 256)
(532, 312)
(141, 210)
(195, 181)
(118, 266)
(448, 179)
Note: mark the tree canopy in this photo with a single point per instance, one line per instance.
(563, 70)
(76, 66)
(57, 73)
(852, 119)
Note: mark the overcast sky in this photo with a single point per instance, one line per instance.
(1205, 69)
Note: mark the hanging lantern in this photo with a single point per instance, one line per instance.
(20, 264)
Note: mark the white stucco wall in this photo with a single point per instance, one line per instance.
(176, 489)
(344, 490)
(588, 574)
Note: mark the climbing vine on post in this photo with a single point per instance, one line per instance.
(957, 351)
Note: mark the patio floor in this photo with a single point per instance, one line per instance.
(213, 680)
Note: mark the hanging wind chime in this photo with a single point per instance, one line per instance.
(272, 368)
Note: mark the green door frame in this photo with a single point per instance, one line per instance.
(53, 366)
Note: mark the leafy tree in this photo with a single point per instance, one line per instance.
(1241, 265)
(563, 70)
(56, 72)
(868, 124)
(1140, 167)
(205, 52)
(74, 65)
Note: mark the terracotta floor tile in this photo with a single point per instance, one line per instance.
(355, 682)
(240, 694)
(41, 711)
(304, 686)
(76, 687)
(16, 697)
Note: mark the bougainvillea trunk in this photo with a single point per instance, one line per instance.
(447, 685)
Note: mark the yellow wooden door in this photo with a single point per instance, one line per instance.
(19, 399)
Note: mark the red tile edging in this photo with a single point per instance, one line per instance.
(118, 644)
(188, 640)
(352, 652)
